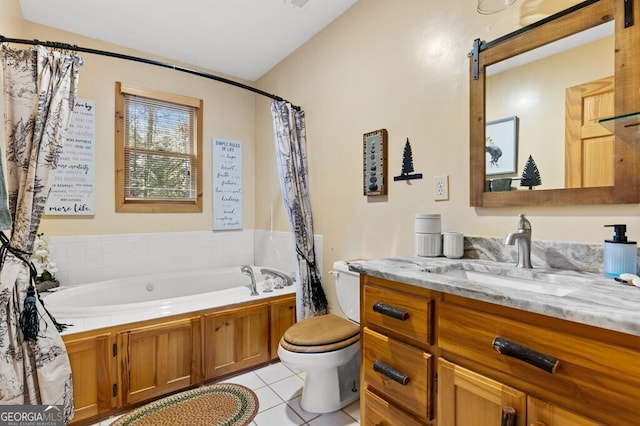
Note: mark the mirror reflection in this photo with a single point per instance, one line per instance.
(556, 94)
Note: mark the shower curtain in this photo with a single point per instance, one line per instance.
(291, 154)
(39, 89)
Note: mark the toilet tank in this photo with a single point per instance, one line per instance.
(347, 290)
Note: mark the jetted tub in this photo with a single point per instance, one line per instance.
(138, 298)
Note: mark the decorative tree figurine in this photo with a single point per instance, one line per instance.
(530, 175)
(407, 164)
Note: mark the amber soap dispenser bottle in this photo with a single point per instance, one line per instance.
(620, 254)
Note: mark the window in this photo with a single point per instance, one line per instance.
(158, 151)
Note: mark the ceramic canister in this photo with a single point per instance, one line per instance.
(453, 244)
(428, 224)
(429, 245)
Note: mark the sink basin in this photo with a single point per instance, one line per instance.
(509, 282)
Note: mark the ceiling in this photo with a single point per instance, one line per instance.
(242, 38)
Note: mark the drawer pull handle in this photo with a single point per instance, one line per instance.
(509, 416)
(390, 311)
(390, 372)
(537, 359)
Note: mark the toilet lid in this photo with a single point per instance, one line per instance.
(320, 334)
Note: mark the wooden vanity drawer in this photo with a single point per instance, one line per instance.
(379, 412)
(403, 314)
(400, 372)
(595, 377)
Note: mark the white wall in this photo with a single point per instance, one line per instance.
(403, 66)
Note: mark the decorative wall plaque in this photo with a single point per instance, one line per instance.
(227, 184)
(74, 180)
(375, 162)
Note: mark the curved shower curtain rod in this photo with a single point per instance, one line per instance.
(58, 45)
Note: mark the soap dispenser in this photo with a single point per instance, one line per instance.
(620, 255)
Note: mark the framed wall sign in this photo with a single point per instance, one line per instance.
(501, 146)
(374, 147)
(227, 184)
(74, 180)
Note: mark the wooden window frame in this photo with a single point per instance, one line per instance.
(153, 206)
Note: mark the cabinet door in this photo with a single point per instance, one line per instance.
(541, 413)
(92, 379)
(283, 316)
(399, 372)
(236, 339)
(466, 398)
(159, 359)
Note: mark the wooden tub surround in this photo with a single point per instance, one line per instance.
(120, 367)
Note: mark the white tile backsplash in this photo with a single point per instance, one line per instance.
(278, 250)
(88, 258)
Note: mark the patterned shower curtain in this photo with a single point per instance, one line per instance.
(291, 154)
(39, 89)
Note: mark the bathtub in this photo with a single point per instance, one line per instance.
(138, 298)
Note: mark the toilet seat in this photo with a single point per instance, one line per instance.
(324, 333)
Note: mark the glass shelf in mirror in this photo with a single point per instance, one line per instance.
(625, 126)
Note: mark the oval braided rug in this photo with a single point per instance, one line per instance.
(223, 404)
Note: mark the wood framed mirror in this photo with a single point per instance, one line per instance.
(623, 186)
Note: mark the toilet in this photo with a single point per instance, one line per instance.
(327, 349)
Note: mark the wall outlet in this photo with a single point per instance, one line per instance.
(441, 188)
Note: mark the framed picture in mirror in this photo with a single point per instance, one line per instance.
(374, 147)
(501, 146)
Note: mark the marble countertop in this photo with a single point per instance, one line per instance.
(580, 297)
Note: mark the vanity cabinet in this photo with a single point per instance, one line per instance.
(159, 359)
(551, 372)
(92, 390)
(397, 362)
(235, 339)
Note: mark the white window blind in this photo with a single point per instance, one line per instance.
(160, 150)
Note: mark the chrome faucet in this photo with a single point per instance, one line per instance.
(522, 239)
(286, 279)
(247, 270)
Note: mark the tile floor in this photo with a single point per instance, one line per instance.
(278, 390)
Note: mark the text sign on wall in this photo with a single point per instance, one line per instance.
(227, 184)
(73, 181)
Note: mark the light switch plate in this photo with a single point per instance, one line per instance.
(441, 188)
